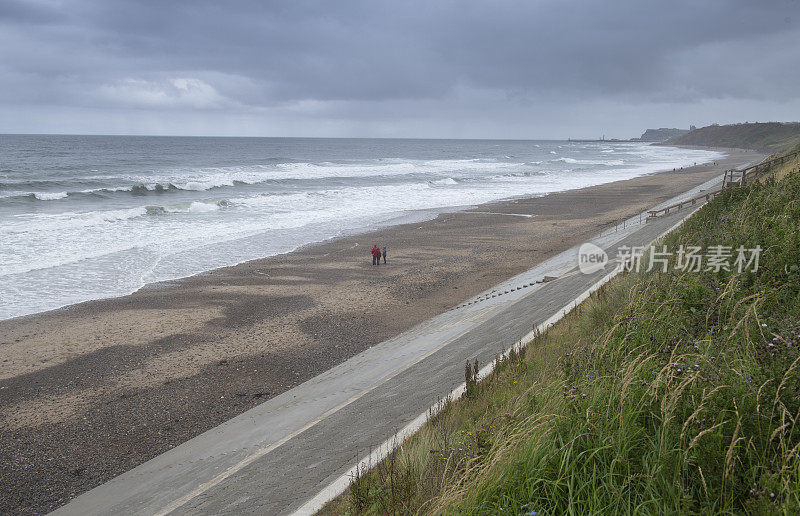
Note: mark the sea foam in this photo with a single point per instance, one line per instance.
(116, 227)
(49, 196)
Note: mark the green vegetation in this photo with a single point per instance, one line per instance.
(792, 164)
(674, 392)
(764, 137)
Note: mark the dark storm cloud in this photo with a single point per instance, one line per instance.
(21, 12)
(330, 57)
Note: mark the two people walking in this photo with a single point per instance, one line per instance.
(377, 253)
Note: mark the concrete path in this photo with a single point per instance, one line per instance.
(277, 456)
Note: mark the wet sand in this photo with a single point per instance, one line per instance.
(92, 390)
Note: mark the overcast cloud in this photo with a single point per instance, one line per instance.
(504, 69)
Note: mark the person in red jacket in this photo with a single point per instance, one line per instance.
(376, 255)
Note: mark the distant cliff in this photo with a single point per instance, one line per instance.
(765, 137)
(659, 135)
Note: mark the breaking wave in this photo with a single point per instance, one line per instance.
(94, 230)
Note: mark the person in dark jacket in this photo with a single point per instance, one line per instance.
(384, 254)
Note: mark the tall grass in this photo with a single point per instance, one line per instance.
(674, 392)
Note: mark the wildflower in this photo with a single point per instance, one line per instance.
(696, 366)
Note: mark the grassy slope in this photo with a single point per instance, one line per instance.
(664, 393)
(765, 137)
(780, 171)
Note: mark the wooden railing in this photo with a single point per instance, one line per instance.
(753, 170)
(728, 181)
(688, 202)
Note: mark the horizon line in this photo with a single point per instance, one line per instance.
(567, 139)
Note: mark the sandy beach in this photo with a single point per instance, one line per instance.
(92, 390)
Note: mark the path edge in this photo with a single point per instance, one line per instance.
(340, 484)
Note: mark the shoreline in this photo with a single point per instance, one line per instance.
(168, 283)
(395, 219)
(141, 373)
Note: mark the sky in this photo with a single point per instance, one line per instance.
(534, 69)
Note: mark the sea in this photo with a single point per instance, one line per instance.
(89, 217)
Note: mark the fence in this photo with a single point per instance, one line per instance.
(728, 181)
(753, 170)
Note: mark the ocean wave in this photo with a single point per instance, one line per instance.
(211, 178)
(34, 196)
(204, 179)
(98, 216)
(141, 189)
(386, 168)
(445, 181)
(88, 218)
(203, 207)
(608, 163)
(193, 207)
(521, 175)
(162, 218)
(49, 196)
